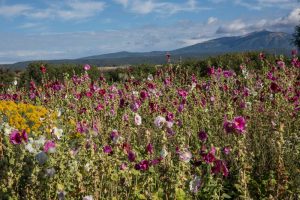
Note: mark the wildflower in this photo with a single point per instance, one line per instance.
(87, 67)
(131, 156)
(57, 132)
(137, 119)
(90, 197)
(219, 166)
(123, 166)
(185, 156)
(182, 93)
(149, 148)
(240, 124)
(49, 146)
(202, 136)
(159, 121)
(43, 69)
(226, 150)
(16, 137)
(195, 184)
(142, 166)
(164, 152)
(107, 149)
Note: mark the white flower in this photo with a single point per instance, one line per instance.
(58, 112)
(57, 132)
(195, 184)
(137, 119)
(7, 129)
(164, 152)
(29, 148)
(15, 82)
(185, 156)
(135, 93)
(150, 77)
(169, 124)
(159, 121)
(90, 197)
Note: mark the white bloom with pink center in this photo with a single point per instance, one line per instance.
(159, 121)
(137, 119)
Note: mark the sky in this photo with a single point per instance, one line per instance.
(57, 29)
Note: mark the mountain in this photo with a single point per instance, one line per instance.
(273, 42)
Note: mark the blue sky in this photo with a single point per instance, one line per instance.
(55, 29)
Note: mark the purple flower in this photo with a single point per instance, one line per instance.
(219, 166)
(149, 148)
(229, 126)
(87, 67)
(131, 156)
(49, 146)
(202, 136)
(240, 124)
(142, 166)
(159, 121)
(15, 137)
(226, 150)
(107, 149)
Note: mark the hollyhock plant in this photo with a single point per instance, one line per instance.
(239, 124)
(149, 148)
(87, 67)
(202, 136)
(131, 156)
(142, 166)
(49, 146)
(16, 137)
(107, 149)
(159, 121)
(185, 156)
(137, 119)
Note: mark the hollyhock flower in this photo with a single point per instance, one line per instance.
(131, 156)
(170, 117)
(219, 166)
(43, 69)
(181, 107)
(240, 124)
(107, 149)
(123, 166)
(144, 95)
(229, 126)
(87, 67)
(156, 161)
(195, 184)
(226, 150)
(149, 148)
(202, 136)
(159, 121)
(15, 137)
(137, 119)
(164, 152)
(274, 87)
(150, 77)
(89, 197)
(49, 146)
(57, 132)
(185, 156)
(228, 73)
(142, 166)
(280, 64)
(182, 93)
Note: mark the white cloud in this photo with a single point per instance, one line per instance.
(212, 20)
(29, 25)
(13, 10)
(67, 10)
(162, 7)
(286, 23)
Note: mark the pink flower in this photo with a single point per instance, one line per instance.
(142, 166)
(16, 137)
(87, 67)
(219, 166)
(185, 156)
(137, 119)
(107, 149)
(49, 146)
(240, 124)
(159, 121)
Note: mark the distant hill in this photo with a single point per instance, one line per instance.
(273, 42)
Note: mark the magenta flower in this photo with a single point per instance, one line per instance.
(107, 149)
(142, 166)
(229, 126)
(240, 124)
(202, 136)
(219, 166)
(87, 67)
(226, 150)
(131, 156)
(49, 146)
(149, 148)
(15, 137)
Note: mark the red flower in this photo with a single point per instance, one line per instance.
(43, 69)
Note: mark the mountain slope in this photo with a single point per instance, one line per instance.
(274, 42)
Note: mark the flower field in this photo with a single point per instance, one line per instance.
(168, 135)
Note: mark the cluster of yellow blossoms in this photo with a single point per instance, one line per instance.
(24, 116)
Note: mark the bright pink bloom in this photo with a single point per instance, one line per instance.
(49, 146)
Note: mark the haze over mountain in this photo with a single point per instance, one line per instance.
(274, 42)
